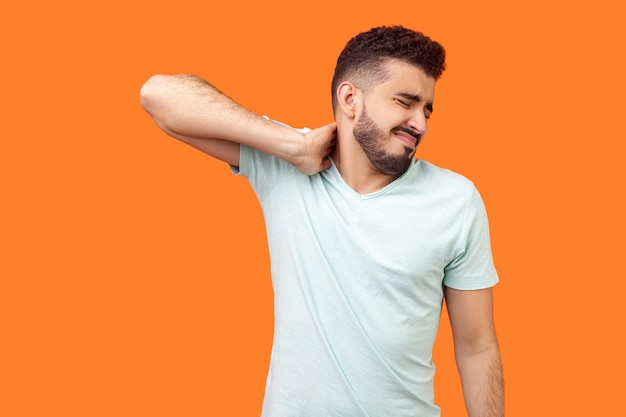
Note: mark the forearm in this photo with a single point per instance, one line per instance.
(483, 382)
(186, 105)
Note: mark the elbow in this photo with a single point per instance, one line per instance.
(154, 95)
(151, 93)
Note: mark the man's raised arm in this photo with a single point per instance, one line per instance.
(190, 109)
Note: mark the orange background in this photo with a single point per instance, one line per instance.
(134, 270)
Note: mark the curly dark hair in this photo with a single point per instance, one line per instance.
(363, 58)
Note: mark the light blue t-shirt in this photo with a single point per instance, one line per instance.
(358, 284)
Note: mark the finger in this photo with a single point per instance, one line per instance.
(332, 127)
(325, 164)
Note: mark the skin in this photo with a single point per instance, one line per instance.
(393, 108)
(373, 126)
(191, 110)
(476, 350)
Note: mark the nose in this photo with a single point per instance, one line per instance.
(418, 123)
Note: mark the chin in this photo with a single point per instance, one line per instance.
(394, 166)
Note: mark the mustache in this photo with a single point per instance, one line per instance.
(408, 131)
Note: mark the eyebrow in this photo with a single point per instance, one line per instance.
(416, 97)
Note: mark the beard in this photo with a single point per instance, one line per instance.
(370, 137)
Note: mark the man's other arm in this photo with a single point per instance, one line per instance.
(193, 111)
(476, 350)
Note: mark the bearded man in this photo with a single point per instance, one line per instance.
(366, 241)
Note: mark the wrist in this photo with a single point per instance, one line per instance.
(285, 143)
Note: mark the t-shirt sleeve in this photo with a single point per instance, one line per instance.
(472, 267)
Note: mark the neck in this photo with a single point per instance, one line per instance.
(355, 168)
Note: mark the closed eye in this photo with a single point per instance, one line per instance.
(403, 103)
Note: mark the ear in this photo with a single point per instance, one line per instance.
(347, 98)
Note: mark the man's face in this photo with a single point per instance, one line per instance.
(393, 119)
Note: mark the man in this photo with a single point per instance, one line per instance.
(365, 240)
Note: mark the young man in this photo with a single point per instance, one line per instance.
(365, 240)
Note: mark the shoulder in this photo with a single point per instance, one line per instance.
(442, 178)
